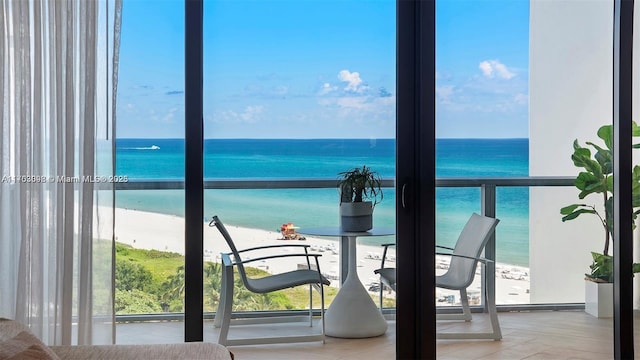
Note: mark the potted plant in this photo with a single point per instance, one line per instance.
(360, 191)
(597, 178)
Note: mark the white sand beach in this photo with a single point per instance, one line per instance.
(146, 230)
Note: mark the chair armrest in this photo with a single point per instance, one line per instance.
(444, 247)
(306, 247)
(276, 257)
(306, 255)
(483, 260)
(388, 244)
(226, 259)
(273, 246)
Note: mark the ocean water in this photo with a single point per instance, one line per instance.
(324, 159)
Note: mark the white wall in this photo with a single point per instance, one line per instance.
(570, 95)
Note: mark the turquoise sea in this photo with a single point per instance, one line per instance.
(324, 159)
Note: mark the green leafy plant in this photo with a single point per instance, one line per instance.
(597, 178)
(360, 184)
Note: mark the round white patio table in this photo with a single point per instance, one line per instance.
(352, 313)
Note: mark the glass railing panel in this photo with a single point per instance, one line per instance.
(512, 245)
(258, 217)
(560, 252)
(453, 208)
(264, 211)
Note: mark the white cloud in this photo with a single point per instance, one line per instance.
(521, 99)
(354, 85)
(360, 111)
(486, 68)
(364, 104)
(484, 94)
(503, 72)
(250, 115)
(353, 80)
(169, 116)
(327, 88)
(492, 68)
(352, 102)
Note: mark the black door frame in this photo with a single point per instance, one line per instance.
(623, 336)
(415, 179)
(193, 172)
(415, 175)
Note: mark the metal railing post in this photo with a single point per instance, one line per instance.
(488, 198)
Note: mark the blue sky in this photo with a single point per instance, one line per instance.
(320, 69)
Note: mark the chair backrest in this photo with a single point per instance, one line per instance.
(225, 234)
(472, 240)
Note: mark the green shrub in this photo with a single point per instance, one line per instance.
(136, 302)
(130, 276)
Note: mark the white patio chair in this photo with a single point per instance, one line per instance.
(464, 260)
(308, 276)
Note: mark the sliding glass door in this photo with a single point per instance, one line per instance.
(150, 160)
(294, 94)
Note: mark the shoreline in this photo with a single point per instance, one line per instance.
(148, 230)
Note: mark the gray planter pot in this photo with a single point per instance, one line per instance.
(598, 299)
(356, 216)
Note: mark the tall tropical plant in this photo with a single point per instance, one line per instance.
(359, 184)
(597, 178)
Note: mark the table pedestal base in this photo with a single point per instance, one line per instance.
(352, 314)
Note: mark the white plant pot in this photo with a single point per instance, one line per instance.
(356, 216)
(598, 299)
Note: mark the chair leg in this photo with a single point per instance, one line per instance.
(493, 315)
(226, 321)
(226, 303)
(311, 305)
(464, 301)
(490, 303)
(217, 321)
(322, 310)
(381, 291)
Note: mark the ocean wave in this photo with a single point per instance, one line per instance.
(152, 147)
